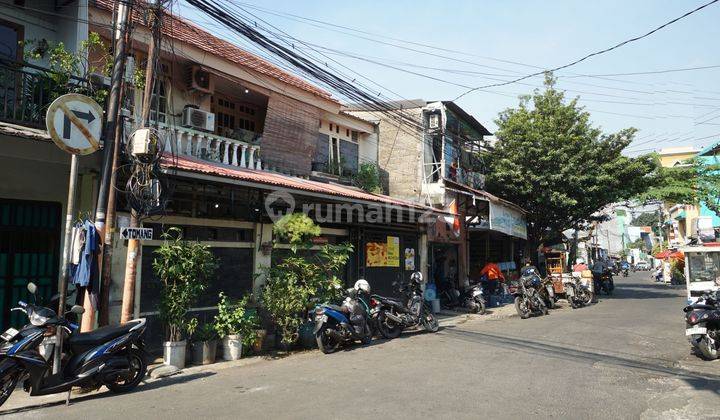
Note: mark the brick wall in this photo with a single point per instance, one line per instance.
(290, 135)
(399, 154)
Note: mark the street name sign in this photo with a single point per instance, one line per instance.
(136, 233)
(74, 123)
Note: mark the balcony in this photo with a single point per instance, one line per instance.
(185, 141)
(25, 93)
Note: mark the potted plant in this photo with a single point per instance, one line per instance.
(236, 325)
(203, 342)
(183, 268)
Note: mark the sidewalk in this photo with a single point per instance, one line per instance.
(21, 402)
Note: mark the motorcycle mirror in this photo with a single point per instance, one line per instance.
(77, 310)
(32, 288)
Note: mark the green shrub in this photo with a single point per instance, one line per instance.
(234, 318)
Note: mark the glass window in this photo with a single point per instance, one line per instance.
(158, 103)
(704, 266)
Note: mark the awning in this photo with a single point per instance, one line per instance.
(274, 181)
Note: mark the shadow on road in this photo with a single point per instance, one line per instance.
(643, 291)
(697, 380)
(173, 380)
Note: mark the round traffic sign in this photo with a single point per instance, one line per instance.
(74, 123)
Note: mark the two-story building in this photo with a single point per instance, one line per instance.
(438, 161)
(243, 141)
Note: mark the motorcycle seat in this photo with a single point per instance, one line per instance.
(100, 335)
(336, 308)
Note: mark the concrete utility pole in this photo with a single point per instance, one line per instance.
(57, 354)
(121, 26)
(134, 249)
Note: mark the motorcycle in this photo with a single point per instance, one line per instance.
(338, 325)
(702, 324)
(393, 316)
(604, 283)
(625, 272)
(110, 356)
(473, 299)
(578, 294)
(547, 292)
(527, 298)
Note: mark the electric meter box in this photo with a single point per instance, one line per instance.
(141, 142)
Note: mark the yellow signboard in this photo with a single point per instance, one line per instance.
(383, 254)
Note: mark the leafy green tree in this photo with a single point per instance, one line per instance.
(692, 182)
(645, 219)
(551, 161)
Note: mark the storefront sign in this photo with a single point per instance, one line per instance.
(507, 220)
(383, 254)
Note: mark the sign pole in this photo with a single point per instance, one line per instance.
(66, 258)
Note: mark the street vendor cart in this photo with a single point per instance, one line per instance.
(702, 269)
(556, 269)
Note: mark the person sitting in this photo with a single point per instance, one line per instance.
(490, 276)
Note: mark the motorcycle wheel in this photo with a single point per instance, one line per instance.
(708, 349)
(481, 306)
(588, 298)
(550, 303)
(367, 338)
(7, 387)
(386, 330)
(429, 322)
(521, 306)
(138, 369)
(543, 307)
(325, 343)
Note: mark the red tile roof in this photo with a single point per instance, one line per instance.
(185, 31)
(185, 163)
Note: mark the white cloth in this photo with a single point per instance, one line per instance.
(78, 243)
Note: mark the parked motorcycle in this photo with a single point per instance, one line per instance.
(110, 356)
(473, 299)
(702, 324)
(527, 299)
(336, 325)
(547, 292)
(393, 315)
(578, 294)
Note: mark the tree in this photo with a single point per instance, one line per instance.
(646, 219)
(551, 161)
(692, 182)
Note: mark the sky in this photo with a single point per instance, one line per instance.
(502, 40)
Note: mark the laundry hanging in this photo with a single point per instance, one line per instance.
(83, 267)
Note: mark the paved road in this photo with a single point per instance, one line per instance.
(625, 357)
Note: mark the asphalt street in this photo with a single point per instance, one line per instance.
(625, 357)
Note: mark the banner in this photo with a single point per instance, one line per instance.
(383, 254)
(507, 220)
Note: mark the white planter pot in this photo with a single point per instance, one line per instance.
(232, 347)
(174, 353)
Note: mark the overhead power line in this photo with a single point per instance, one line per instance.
(649, 72)
(596, 53)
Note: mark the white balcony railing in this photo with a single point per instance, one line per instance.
(210, 147)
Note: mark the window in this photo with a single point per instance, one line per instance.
(158, 102)
(334, 156)
(231, 116)
(10, 35)
(347, 132)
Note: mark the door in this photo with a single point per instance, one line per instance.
(29, 252)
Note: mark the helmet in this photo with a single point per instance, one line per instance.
(363, 285)
(416, 277)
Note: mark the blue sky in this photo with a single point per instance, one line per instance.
(670, 109)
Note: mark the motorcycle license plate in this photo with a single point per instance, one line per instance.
(9, 334)
(696, 331)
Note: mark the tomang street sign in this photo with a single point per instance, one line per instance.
(74, 123)
(136, 233)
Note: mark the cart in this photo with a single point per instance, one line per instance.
(702, 269)
(556, 268)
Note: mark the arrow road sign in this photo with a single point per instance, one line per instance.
(136, 233)
(74, 123)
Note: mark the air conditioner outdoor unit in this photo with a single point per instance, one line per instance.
(200, 80)
(198, 119)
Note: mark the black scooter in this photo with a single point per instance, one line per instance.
(702, 320)
(392, 316)
(110, 356)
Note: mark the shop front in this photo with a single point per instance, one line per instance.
(386, 257)
(498, 236)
